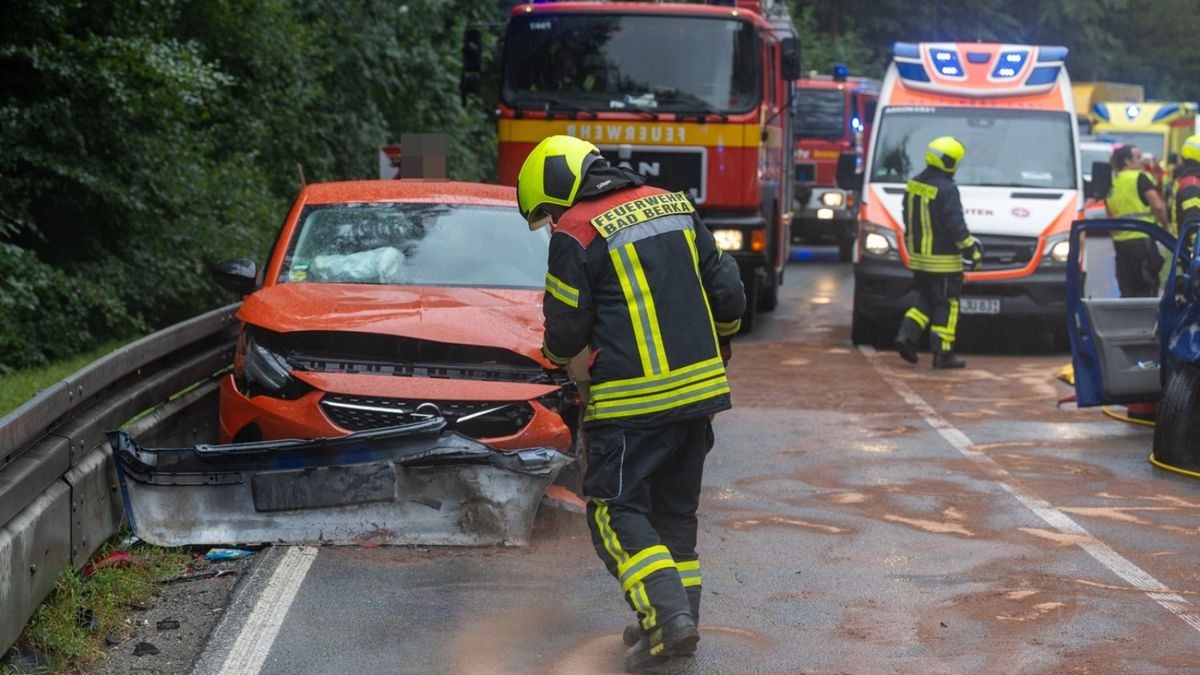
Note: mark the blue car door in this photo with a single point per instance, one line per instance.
(1114, 346)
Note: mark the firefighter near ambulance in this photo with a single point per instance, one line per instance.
(636, 277)
(939, 244)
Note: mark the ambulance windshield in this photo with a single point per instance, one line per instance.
(1005, 148)
(642, 63)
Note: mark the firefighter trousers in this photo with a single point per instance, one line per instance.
(643, 488)
(936, 309)
(1138, 264)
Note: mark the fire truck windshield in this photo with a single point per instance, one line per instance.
(1005, 148)
(820, 113)
(641, 62)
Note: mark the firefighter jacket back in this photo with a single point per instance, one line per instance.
(935, 232)
(1185, 195)
(635, 275)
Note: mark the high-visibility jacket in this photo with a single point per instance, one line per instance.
(635, 275)
(935, 232)
(1125, 201)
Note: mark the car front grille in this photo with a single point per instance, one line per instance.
(360, 413)
(1002, 252)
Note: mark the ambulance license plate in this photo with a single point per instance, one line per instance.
(979, 305)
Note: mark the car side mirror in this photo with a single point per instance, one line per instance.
(239, 275)
(1101, 181)
(789, 59)
(472, 64)
(848, 177)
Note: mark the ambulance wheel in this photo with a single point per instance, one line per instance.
(1177, 429)
(866, 329)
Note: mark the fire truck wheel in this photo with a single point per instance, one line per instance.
(1177, 429)
(768, 295)
(751, 283)
(868, 330)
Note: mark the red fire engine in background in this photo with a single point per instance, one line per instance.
(696, 97)
(833, 121)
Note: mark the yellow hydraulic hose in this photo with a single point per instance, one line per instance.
(1173, 469)
(1125, 418)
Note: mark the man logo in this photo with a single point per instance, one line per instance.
(647, 169)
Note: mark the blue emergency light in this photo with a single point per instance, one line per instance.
(1009, 64)
(840, 72)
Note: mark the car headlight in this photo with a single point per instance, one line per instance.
(878, 241)
(269, 373)
(729, 240)
(833, 199)
(1058, 249)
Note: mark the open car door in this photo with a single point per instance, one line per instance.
(1114, 344)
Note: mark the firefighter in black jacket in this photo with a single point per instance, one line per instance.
(637, 277)
(938, 244)
(1186, 193)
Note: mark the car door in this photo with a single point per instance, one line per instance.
(1114, 344)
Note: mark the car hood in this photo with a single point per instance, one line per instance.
(483, 317)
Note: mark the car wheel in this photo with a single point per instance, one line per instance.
(867, 328)
(1177, 430)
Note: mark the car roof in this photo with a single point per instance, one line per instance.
(439, 191)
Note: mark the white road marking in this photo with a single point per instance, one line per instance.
(1103, 553)
(248, 654)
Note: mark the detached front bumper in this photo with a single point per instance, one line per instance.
(885, 287)
(411, 484)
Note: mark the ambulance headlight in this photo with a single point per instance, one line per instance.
(877, 241)
(729, 240)
(1058, 248)
(876, 244)
(834, 199)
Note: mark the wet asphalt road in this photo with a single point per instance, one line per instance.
(840, 533)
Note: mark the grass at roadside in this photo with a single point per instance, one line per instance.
(19, 386)
(70, 637)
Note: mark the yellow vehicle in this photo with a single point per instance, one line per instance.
(1159, 128)
(1088, 94)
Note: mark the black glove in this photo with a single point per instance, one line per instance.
(972, 256)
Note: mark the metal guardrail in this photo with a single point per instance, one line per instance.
(58, 487)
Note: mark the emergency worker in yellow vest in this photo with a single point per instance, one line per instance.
(938, 244)
(636, 276)
(1135, 195)
(1185, 206)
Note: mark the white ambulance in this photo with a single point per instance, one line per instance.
(1021, 185)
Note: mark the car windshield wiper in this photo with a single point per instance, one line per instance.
(634, 107)
(696, 106)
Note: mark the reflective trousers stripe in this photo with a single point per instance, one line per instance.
(921, 318)
(636, 591)
(947, 333)
(642, 312)
(643, 564)
(689, 572)
(564, 292)
(647, 385)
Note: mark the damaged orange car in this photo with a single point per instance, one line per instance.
(395, 342)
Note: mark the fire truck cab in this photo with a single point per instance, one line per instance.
(834, 115)
(696, 97)
(1020, 183)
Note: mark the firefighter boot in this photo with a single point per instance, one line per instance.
(947, 360)
(633, 632)
(676, 636)
(906, 339)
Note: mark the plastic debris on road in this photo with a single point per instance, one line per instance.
(227, 554)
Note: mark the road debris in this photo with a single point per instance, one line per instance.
(144, 649)
(227, 554)
(167, 624)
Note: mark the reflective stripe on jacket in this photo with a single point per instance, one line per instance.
(935, 232)
(638, 277)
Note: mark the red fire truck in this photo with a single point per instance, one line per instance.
(833, 116)
(696, 97)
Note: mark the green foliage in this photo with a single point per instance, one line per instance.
(146, 139)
